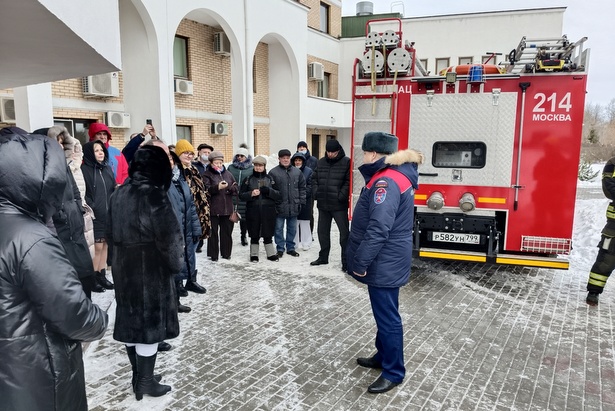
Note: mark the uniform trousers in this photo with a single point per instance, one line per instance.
(390, 334)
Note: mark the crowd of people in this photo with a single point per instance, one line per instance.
(145, 212)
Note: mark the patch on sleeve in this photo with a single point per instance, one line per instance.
(380, 195)
(381, 183)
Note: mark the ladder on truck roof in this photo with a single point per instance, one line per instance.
(547, 54)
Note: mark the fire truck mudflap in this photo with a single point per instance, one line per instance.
(502, 150)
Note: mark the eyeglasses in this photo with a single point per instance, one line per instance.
(188, 154)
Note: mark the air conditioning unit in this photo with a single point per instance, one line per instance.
(117, 119)
(219, 129)
(183, 86)
(7, 110)
(316, 71)
(102, 85)
(222, 44)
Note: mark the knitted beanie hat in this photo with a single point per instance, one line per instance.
(182, 146)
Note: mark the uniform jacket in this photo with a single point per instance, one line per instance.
(221, 202)
(44, 313)
(147, 251)
(379, 247)
(291, 184)
(306, 209)
(331, 182)
(99, 184)
(240, 171)
(608, 188)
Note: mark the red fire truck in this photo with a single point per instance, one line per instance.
(501, 145)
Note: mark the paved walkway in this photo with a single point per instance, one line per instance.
(285, 336)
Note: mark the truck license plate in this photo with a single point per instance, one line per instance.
(456, 238)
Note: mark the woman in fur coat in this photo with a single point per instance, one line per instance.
(147, 254)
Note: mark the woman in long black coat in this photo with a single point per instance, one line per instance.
(99, 185)
(147, 254)
(260, 194)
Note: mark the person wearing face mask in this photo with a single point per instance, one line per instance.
(202, 160)
(310, 160)
(303, 237)
(99, 185)
(241, 168)
(221, 185)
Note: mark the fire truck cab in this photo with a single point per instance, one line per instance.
(501, 145)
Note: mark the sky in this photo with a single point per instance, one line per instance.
(583, 18)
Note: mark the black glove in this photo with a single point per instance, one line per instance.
(265, 190)
(196, 239)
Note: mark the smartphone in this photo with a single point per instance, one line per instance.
(148, 121)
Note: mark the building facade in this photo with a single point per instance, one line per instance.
(266, 73)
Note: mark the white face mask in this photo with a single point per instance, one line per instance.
(303, 151)
(205, 158)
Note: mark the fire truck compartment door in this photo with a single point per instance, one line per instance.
(465, 117)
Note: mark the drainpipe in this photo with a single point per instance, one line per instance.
(248, 137)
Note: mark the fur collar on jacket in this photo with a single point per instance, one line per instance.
(404, 156)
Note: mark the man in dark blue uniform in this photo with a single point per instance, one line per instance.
(379, 250)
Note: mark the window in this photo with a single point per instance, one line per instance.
(324, 18)
(323, 86)
(184, 132)
(492, 59)
(441, 64)
(459, 154)
(465, 60)
(180, 57)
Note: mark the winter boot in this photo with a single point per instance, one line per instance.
(592, 298)
(272, 255)
(254, 253)
(132, 356)
(146, 383)
(192, 285)
(244, 242)
(181, 291)
(101, 278)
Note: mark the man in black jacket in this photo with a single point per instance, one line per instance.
(331, 183)
(289, 181)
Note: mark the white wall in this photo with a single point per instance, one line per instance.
(460, 35)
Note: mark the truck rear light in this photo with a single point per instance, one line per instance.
(550, 245)
(467, 202)
(435, 200)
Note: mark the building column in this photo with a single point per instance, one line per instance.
(33, 106)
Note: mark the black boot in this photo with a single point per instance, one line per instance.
(244, 242)
(181, 291)
(132, 356)
(182, 308)
(146, 384)
(192, 285)
(101, 278)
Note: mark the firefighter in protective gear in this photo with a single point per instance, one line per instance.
(605, 261)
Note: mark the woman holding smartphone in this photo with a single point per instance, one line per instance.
(221, 186)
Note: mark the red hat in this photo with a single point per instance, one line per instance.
(96, 128)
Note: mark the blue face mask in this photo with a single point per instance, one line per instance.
(303, 151)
